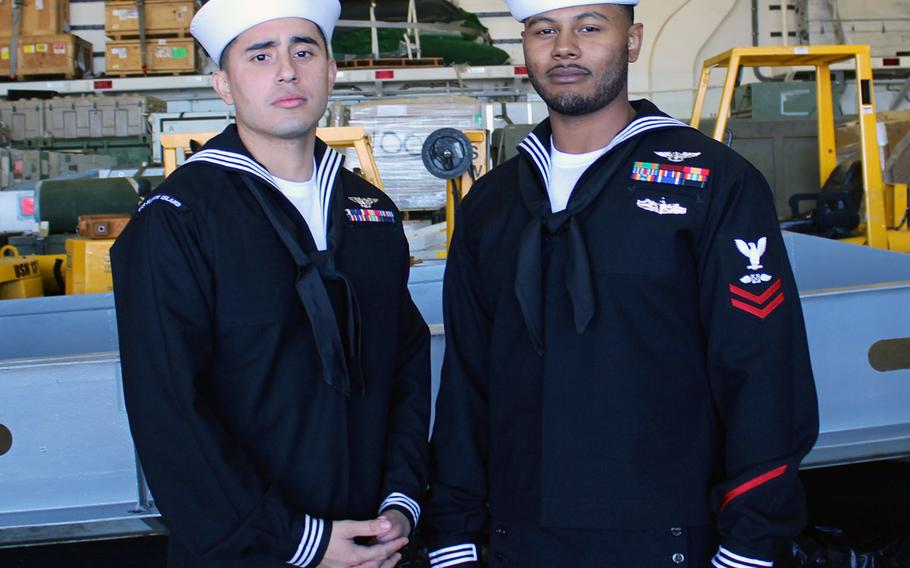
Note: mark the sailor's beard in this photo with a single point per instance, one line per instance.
(615, 79)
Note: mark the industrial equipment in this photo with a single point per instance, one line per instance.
(459, 157)
(102, 226)
(446, 154)
(886, 205)
(20, 277)
(17, 211)
(88, 266)
(62, 202)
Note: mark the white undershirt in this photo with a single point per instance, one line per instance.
(305, 197)
(565, 171)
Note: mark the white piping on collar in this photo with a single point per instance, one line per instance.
(233, 161)
(326, 172)
(540, 153)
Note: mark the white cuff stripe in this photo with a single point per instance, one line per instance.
(401, 503)
(727, 559)
(454, 563)
(464, 556)
(317, 540)
(402, 500)
(309, 542)
(453, 555)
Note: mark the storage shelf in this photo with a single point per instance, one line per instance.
(350, 82)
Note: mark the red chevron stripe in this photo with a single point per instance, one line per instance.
(750, 485)
(759, 313)
(757, 299)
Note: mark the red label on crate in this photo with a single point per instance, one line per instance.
(59, 48)
(27, 206)
(385, 74)
(99, 85)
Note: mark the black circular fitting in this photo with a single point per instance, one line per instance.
(447, 153)
(6, 440)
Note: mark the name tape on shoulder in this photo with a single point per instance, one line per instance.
(163, 197)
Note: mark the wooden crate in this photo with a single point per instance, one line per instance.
(162, 19)
(164, 56)
(57, 55)
(38, 17)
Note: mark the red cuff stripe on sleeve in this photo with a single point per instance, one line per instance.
(750, 485)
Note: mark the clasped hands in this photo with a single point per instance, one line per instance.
(388, 534)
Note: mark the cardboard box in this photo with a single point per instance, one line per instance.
(88, 266)
(56, 54)
(121, 19)
(38, 17)
(897, 123)
(124, 57)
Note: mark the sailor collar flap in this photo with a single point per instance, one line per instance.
(227, 151)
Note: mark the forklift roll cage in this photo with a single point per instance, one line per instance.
(886, 205)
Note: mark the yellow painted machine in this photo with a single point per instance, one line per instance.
(886, 205)
(460, 158)
(88, 266)
(20, 277)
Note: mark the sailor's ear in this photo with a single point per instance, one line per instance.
(222, 85)
(636, 38)
(332, 74)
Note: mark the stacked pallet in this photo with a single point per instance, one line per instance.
(157, 43)
(42, 45)
(116, 125)
(387, 62)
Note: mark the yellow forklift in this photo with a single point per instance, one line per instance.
(886, 223)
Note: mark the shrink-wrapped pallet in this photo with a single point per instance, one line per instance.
(398, 129)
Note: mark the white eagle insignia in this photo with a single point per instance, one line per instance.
(365, 202)
(678, 157)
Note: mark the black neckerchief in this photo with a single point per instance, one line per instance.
(533, 181)
(339, 354)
